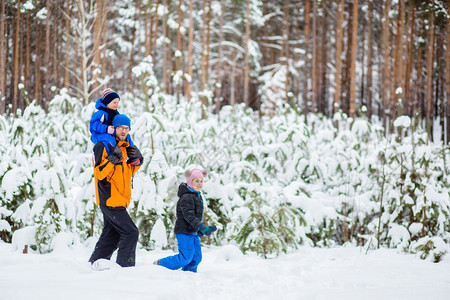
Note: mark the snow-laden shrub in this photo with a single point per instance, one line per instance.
(273, 184)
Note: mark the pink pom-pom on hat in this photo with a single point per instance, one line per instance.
(192, 174)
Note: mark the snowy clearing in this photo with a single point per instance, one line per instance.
(225, 273)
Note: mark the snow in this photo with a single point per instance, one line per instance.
(4, 226)
(403, 121)
(159, 234)
(306, 179)
(225, 273)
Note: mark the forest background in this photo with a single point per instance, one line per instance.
(340, 73)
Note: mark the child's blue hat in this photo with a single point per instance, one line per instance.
(108, 95)
(120, 120)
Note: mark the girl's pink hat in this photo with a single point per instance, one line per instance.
(192, 174)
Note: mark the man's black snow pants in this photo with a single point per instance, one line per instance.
(119, 231)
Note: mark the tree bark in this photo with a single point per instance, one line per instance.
(352, 108)
(314, 80)
(246, 55)
(419, 105)
(155, 28)
(179, 58)
(440, 78)
(385, 87)
(37, 67)
(47, 76)
(369, 59)
(98, 29)
(306, 100)
(27, 70)
(15, 79)
(339, 41)
(409, 65)
(447, 76)
(429, 87)
(133, 45)
(164, 50)
(324, 85)
(286, 47)
(398, 91)
(2, 59)
(187, 91)
(148, 29)
(67, 50)
(205, 52)
(218, 85)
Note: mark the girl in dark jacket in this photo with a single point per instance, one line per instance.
(189, 226)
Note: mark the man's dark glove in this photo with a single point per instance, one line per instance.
(206, 230)
(115, 154)
(135, 157)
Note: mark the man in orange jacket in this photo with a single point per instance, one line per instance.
(113, 173)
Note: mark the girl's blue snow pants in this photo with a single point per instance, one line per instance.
(189, 256)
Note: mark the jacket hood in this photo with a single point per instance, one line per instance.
(99, 103)
(184, 189)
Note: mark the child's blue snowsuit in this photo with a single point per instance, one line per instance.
(189, 219)
(189, 254)
(98, 126)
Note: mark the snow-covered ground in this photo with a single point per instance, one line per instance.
(225, 273)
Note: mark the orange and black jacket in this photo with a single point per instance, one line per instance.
(112, 182)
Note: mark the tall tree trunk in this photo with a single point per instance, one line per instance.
(430, 59)
(205, 52)
(98, 29)
(15, 79)
(27, 71)
(418, 105)
(447, 75)
(352, 108)
(314, 81)
(3, 55)
(179, 66)
(218, 85)
(286, 47)
(133, 45)
(399, 88)
(180, 22)
(296, 27)
(386, 67)
(264, 49)
(346, 70)
(55, 41)
(148, 28)
(83, 90)
(155, 28)
(164, 50)
(307, 78)
(202, 61)
(187, 91)
(369, 59)
(170, 63)
(246, 55)
(47, 76)
(37, 67)
(440, 78)
(67, 50)
(339, 42)
(409, 65)
(208, 41)
(323, 88)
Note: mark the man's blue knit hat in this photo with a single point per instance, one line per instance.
(120, 120)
